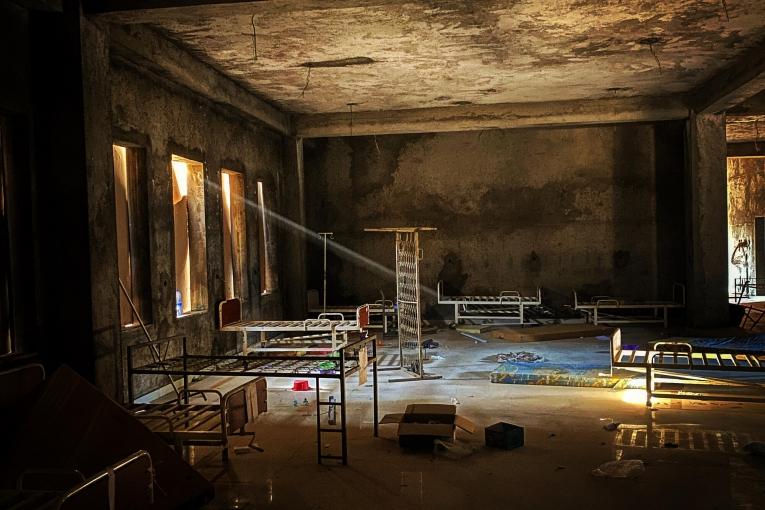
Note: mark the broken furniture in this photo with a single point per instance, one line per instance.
(745, 296)
(126, 484)
(181, 423)
(68, 431)
(313, 356)
(506, 308)
(420, 424)
(408, 256)
(679, 356)
(334, 325)
(605, 309)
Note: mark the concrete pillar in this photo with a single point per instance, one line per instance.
(294, 267)
(706, 220)
(105, 292)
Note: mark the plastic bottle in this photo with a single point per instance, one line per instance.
(178, 303)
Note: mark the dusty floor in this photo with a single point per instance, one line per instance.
(564, 442)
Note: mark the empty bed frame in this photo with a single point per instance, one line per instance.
(606, 309)
(334, 325)
(507, 308)
(316, 356)
(681, 356)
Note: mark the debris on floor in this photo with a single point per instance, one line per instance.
(620, 469)
(611, 426)
(436, 357)
(504, 435)
(454, 451)
(420, 424)
(430, 344)
(520, 356)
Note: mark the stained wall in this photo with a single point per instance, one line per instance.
(598, 209)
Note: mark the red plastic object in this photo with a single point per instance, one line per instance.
(300, 385)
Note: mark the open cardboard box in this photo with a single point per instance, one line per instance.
(420, 424)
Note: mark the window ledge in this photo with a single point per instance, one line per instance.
(192, 313)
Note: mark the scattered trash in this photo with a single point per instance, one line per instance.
(620, 469)
(430, 344)
(327, 365)
(670, 444)
(305, 401)
(520, 356)
(454, 401)
(504, 435)
(756, 448)
(332, 413)
(452, 451)
(436, 357)
(611, 426)
(294, 403)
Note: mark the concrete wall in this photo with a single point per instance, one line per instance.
(746, 201)
(599, 209)
(165, 120)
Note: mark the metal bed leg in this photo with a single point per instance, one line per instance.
(648, 384)
(595, 315)
(318, 421)
(186, 375)
(456, 314)
(375, 412)
(130, 375)
(344, 430)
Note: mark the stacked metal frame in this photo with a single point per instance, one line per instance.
(408, 256)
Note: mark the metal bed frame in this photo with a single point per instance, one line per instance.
(181, 423)
(334, 324)
(109, 488)
(595, 308)
(670, 355)
(507, 307)
(346, 358)
(383, 308)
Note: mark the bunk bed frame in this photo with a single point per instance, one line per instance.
(346, 360)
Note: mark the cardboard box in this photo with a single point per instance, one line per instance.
(420, 424)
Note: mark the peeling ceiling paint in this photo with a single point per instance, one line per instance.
(430, 54)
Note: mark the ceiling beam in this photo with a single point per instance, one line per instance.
(733, 85)
(153, 52)
(107, 6)
(496, 116)
(159, 11)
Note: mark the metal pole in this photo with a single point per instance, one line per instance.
(153, 347)
(324, 236)
(318, 421)
(344, 431)
(374, 383)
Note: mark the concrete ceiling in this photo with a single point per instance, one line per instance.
(431, 54)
